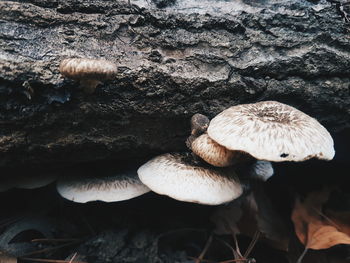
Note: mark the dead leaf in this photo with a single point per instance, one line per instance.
(253, 213)
(225, 218)
(314, 229)
(341, 219)
(270, 223)
(327, 236)
(6, 258)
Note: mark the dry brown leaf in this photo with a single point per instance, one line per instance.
(327, 236)
(5, 258)
(340, 219)
(315, 230)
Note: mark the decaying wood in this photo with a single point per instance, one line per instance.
(190, 57)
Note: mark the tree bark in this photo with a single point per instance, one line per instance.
(188, 57)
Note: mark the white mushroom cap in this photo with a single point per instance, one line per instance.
(272, 131)
(176, 176)
(262, 170)
(82, 189)
(213, 153)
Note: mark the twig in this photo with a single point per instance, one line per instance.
(50, 260)
(227, 244)
(206, 247)
(71, 260)
(237, 251)
(203, 260)
(234, 260)
(52, 240)
(252, 244)
(49, 249)
(302, 255)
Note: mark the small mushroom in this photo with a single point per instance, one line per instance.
(271, 131)
(178, 176)
(82, 189)
(213, 153)
(261, 170)
(207, 149)
(199, 124)
(90, 72)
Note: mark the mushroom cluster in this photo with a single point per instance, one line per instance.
(252, 135)
(249, 135)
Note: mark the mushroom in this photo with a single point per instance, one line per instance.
(271, 131)
(82, 189)
(213, 153)
(261, 170)
(199, 124)
(178, 176)
(207, 149)
(27, 182)
(90, 72)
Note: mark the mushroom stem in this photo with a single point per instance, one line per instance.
(89, 85)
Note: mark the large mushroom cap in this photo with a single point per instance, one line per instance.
(176, 176)
(272, 131)
(84, 68)
(82, 189)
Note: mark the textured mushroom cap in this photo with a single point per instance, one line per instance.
(272, 131)
(199, 124)
(84, 68)
(213, 153)
(262, 170)
(82, 189)
(176, 176)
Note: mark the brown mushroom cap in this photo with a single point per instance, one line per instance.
(213, 153)
(177, 176)
(199, 124)
(84, 68)
(271, 131)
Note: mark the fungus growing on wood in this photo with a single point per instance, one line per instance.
(207, 149)
(213, 153)
(261, 170)
(199, 124)
(178, 176)
(90, 72)
(82, 189)
(271, 131)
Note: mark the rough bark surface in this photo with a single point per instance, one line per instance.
(188, 57)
